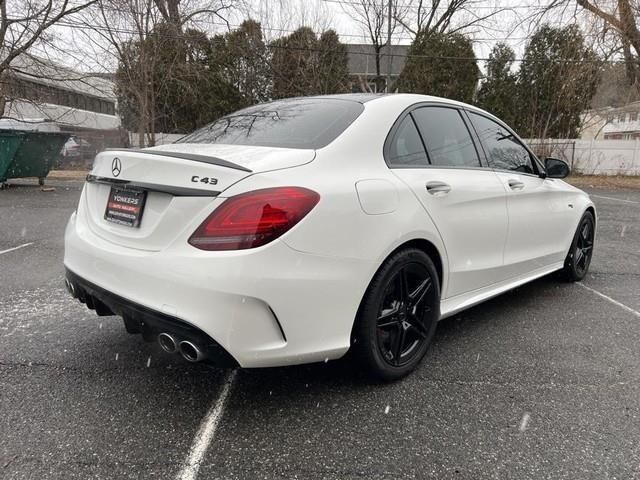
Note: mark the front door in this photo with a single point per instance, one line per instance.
(539, 209)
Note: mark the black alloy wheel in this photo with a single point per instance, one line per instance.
(579, 258)
(398, 315)
(402, 321)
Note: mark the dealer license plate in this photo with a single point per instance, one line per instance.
(125, 207)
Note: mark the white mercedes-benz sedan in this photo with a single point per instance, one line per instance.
(297, 230)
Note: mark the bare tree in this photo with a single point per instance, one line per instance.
(281, 17)
(376, 23)
(137, 36)
(24, 23)
(620, 16)
(180, 12)
(414, 17)
(446, 16)
(120, 29)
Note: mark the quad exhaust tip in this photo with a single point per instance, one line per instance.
(167, 343)
(190, 351)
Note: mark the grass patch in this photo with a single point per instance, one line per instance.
(607, 182)
(68, 174)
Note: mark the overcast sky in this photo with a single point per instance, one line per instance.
(79, 50)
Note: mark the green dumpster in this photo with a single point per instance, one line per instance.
(9, 143)
(36, 153)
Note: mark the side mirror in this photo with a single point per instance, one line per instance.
(556, 168)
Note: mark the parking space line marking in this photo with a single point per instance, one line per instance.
(525, 421)
(206, 432)
(615, 199)
(615, 302)
(15, 248)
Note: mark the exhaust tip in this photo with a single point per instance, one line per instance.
(167, 343)
(190, 351)
(70, 288)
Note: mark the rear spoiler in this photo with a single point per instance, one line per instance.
(131, 185)
(187, 156)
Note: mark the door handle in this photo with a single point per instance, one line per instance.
(438, 188)
(516, 184)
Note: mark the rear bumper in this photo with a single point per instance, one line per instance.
(269, 306)
(140, 319)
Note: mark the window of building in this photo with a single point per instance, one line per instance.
(613, 136)
(24, 89)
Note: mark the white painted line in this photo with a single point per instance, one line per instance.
(15, 248)
(524, 422)
(206, 433)
(615, 199)
(615, 302)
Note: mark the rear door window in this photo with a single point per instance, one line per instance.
(446, 137)
(298, 123)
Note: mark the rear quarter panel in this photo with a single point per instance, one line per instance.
(339, 227)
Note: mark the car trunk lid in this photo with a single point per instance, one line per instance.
(178, 182)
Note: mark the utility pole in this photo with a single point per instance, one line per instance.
(389, 57)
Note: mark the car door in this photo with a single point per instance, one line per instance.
(432, 151)
(540, 212)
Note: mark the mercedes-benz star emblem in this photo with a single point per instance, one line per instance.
(116, 167)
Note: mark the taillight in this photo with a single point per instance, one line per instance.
(254, 218)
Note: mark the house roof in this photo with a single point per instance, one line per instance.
(362, 59)
(47, 72)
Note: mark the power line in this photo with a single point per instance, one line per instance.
(85, 26)
(280, 30)
(409, 5)
(363, 36)
(371, 54)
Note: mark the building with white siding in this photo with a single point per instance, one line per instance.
(612, 123)
(40, 89)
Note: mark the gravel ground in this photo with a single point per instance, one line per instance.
(542, 382)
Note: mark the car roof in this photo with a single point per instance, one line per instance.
(406, 100)
(365, 97)
(400, 98)
(354, 97)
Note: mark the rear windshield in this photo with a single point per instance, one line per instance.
(301, 123)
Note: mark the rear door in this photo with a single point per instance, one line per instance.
(432, 151)
(540, 215)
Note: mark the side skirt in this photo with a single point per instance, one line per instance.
(453, 305)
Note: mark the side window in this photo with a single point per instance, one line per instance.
(406, 149)
(504, 151)
(446, 137)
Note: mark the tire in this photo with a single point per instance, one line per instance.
(396, 320)
(576, 265)
(41, 181)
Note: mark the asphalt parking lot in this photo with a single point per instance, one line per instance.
(542, 382)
